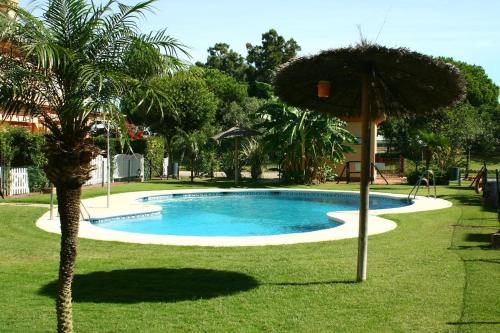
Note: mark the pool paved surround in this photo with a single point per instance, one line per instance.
(126, 205)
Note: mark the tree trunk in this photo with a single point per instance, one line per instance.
(68, 168)
(192, 169)
(69, 211)
(467, 166)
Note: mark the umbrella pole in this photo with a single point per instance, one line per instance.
(365, 178)
(236, 159)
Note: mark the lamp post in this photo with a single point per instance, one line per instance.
(108, 166)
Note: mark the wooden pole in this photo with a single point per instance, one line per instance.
(236, 159)
(365, 177)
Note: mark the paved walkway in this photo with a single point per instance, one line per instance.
(24, 204)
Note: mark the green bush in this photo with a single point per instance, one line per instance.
(227, 164)
(254, 154)
(37, 179)
(441, 178)
(21, 148)
(153, 156)
(208, 162)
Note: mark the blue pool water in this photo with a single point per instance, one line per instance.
(244, 214)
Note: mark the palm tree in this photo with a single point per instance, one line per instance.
(254, 154)
(308, 141)
(190, 143)
(67, 67)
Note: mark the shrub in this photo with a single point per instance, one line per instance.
(227, 164)
(254, 154)
(153, 156)
(21, 148)
(441, 178)
(37, 179)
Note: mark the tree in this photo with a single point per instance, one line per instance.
(467, 125)
(481, 90)
(191, 144)
(229, 94)
(67, 68)
(221, 57)
(191, 107)
(265, 58)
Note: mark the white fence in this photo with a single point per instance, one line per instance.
(125, 166)
(99, 174)
(19, 183)
(128, 166)
(165, 167)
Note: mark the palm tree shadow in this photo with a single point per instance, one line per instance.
(154, 285)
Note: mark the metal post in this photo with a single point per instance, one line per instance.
(468, 163)
(128, 175)
(103, 180)
(348, 172)
(108, 167)
(498, 193)
(365, 178)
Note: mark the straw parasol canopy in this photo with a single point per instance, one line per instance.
(401, 81)
(236, 132)
(370, 81)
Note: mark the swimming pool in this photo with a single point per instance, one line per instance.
(247, 213)
(136, 205)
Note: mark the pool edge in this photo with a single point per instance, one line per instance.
(126, 203)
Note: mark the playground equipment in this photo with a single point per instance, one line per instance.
(480, 179)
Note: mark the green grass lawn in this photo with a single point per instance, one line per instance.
(493, 163)
(434, 273)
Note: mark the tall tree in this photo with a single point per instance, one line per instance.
(468, 124)
(274, 51)
(481, 90)
(221, 57)
(190, 108)
(67, 67)
(229, 93)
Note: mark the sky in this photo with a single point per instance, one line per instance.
(466, 30)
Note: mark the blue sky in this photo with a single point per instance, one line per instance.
(466, 30)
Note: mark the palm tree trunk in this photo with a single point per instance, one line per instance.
(69, 211)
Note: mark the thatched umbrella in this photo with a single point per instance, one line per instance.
(236, 132)
(370, 81)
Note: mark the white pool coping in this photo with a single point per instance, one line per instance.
(128, 204)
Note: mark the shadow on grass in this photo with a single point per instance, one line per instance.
(479, 238)
(487, 261)
(310, 283)
(154, 285)
(467, 200)
(466, 187)
(474, 323)
(472, 247)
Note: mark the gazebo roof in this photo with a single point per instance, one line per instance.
(402, 81)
